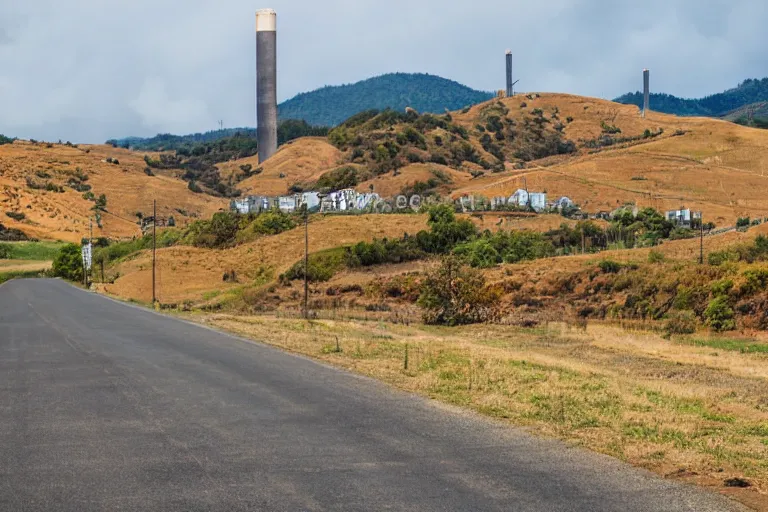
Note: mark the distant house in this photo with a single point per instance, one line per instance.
(311, 200)
(563, 203)
(250, 204)
(684, 218)
(287, 204)
(498, 202)
(536, 200)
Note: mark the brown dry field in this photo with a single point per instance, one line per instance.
(689, 413)
(24, 266)
(188, 273)
(65, 216)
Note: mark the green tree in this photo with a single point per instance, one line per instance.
(68, 264)
(719, 315)
(455, 294)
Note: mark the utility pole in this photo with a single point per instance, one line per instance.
(154, 250)
(90, 248)
(306, 262)
(701, 253)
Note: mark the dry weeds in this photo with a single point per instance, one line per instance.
(681, 411)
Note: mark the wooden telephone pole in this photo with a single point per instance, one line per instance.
(701, 252)
(154, 251)
(306, 263)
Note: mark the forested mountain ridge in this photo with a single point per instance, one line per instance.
(286, 131)
(716, 105)
(332, 105)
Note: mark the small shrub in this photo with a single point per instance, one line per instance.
(655, 257)
(148, 171)
(101, 202)
(719, 315)
(609, 129)
(17, 216)
(717, 258)
(722, 288)
(338, 179)
(743, 222)
(609, 267)
(680, 322)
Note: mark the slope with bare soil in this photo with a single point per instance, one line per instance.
(65, 215)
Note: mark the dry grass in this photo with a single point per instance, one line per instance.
(716, 166)
(299, 161)
(65, 216)
(24, 266)
(189, 273)
(683, 411)
(388, 185)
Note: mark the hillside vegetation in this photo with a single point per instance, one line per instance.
(53, 191)
(600, 154)
(286, 131)
(331, 105)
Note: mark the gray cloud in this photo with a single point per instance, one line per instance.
(87, 70)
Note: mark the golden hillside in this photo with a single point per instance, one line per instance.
(65, 215)
(299, 161)
(701, 163)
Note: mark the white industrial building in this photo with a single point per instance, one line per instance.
(523, 198)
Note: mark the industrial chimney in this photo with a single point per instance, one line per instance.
(510, 85)
(266, 82)
(646, 91)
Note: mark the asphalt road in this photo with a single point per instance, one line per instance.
(105, 406)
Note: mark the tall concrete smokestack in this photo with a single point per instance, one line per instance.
(510, 86)
(266, 82)
(646, 92)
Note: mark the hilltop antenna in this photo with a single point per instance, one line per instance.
(221, 125)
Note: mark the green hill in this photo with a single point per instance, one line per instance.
(717, 105)
(330, 106)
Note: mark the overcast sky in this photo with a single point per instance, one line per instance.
(88, 70)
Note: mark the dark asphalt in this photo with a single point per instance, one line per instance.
(105, 406)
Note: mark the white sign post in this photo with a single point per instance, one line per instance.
(87, 253)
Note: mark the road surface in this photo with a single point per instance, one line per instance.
(105, 406)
